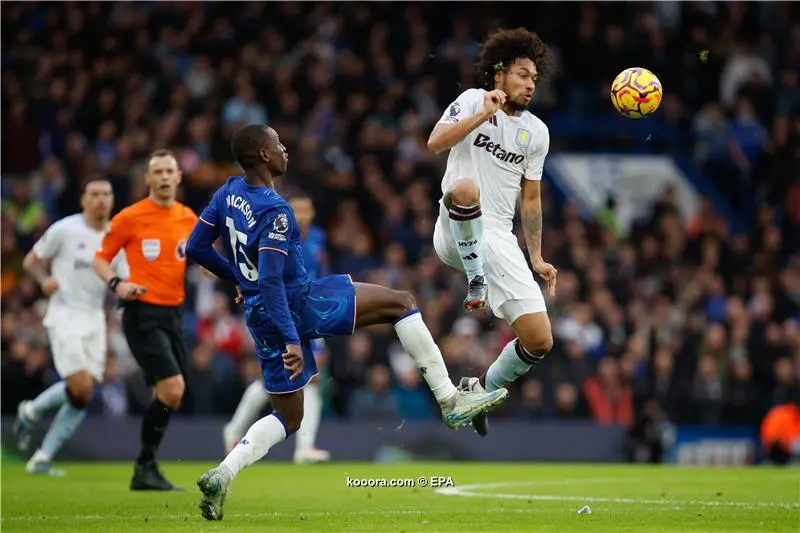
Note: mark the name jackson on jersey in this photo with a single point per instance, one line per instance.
(237, 202)
(497, 150)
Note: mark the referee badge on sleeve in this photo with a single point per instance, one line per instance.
(180, 250)
(151, 249)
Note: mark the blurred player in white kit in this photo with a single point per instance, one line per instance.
(497, 152)
(75, 321)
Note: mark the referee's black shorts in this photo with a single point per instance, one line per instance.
(155, 337)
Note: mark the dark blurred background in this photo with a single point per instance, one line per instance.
(679, 320)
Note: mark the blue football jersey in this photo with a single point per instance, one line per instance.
(252, 219)
(262, 243)
(264, 256)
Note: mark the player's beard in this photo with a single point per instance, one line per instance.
(517, 105)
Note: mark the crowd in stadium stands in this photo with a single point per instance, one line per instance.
(680, 320)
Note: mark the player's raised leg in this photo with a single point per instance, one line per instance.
(253, 401)
(380, 305)
(534, 341)
(462, 201)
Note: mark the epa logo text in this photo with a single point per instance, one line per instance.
(442, 481)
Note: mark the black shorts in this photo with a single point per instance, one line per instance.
(155, 337)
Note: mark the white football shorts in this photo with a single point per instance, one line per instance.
(512, 290)
(79, 348)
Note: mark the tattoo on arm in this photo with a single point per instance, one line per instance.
(531, 214)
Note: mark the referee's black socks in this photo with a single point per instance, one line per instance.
(153, 426)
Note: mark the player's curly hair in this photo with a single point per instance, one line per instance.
(502, 47)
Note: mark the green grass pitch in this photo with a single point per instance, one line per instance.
(94, 497)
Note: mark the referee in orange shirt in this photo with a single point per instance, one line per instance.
(153, 232)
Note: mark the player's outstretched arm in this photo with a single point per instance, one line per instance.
(447, 134)
(531, 215)
(200, 249)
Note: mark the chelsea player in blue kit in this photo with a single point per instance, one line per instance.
(255, 398)
(285, 310)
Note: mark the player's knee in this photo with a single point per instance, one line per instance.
(534, 332)
(170, 392)
(293, 423)
(538, 342)
(80, 387)
(173, 397)
(292, 418)
(465, 192)
(405, 303)
(288, 408)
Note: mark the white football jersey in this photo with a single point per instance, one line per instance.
(70, 245)
(498, 154)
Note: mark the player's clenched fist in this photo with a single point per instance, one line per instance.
(293, 360)
(493, 101)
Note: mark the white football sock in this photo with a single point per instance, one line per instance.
(466, 225)
(418, 343)
(509, 366)
(253, 401)
(54, 396)
(63, 427)
(261, 436)
(312, 413)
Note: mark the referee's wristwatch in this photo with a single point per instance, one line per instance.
(113, 282)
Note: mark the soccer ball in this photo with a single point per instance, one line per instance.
(636, 92)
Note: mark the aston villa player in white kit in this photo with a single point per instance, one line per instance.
(75, 321)
(497, 152)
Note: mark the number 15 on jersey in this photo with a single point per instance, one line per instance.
(239, 239)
